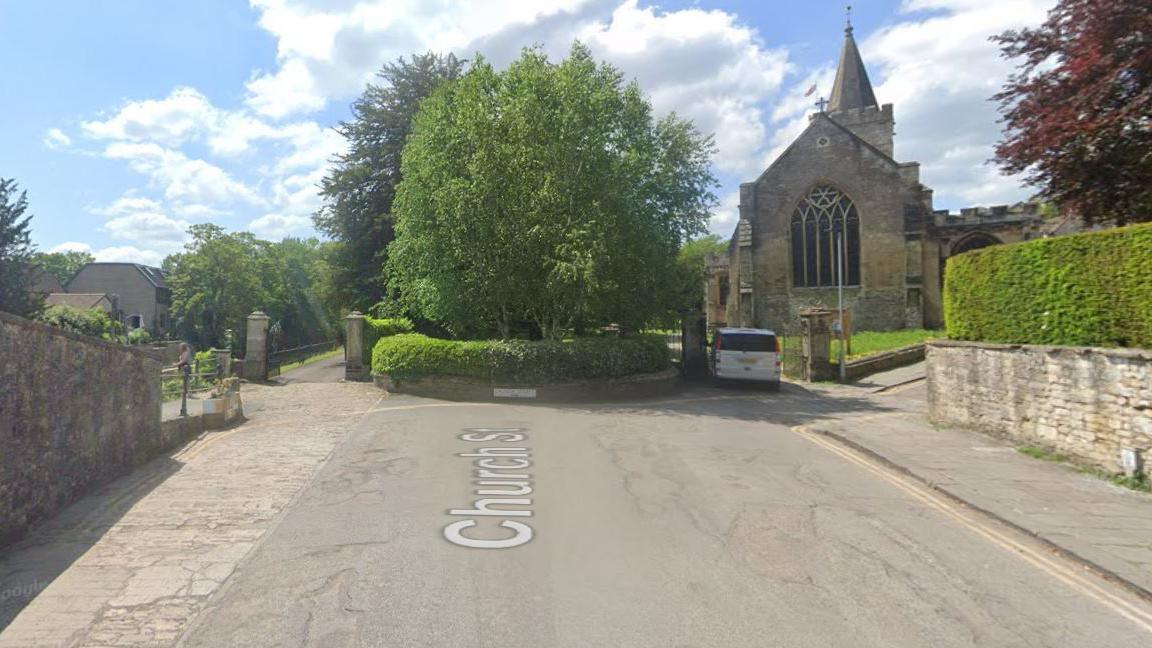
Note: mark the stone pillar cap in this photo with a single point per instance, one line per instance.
(354, 313)
(258, 315)
(815, 311)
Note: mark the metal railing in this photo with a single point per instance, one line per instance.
(279, 358)
(177, 384)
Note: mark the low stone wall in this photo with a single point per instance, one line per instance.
(1085, 402)
(660, 383)
(75, 412)
(893, 359)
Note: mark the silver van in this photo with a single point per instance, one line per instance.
(747, 354)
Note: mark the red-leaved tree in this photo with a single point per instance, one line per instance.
(1078, 110)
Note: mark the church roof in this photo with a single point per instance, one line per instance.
(826, 118)
(852, 89)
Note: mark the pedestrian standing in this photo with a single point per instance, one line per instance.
(184, 365)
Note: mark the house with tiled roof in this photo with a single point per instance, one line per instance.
(140, 292)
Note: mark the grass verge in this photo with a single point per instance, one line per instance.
(866, 343)
(310, 359)
(1138, 483)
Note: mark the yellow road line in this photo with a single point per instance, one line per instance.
(1075, 579)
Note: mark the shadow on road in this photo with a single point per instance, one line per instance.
(792, 405)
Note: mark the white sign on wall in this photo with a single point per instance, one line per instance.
(513, 392)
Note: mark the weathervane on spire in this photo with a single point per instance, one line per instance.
(848, 11)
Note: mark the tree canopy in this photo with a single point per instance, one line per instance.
(63, 265)
(222, 277)
(359, 189)
(691, 263)
(16, 251)
(545, 194)
(1078, 112)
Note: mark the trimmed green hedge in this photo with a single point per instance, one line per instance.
(413, 356)
(1092, 289)
(377, 328)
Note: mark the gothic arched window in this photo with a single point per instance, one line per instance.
(824, 216)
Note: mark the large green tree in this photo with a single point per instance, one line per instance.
(545, 194)
(691, 263)
(63, 265)
(216, 283)
(16, 251)
(359, 190)
(222, 277)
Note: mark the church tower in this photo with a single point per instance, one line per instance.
(834, 216)
(853, 104)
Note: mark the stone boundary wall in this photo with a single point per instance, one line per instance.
(1085, 402)
(661, 383)
(902, 357)
(75, 413)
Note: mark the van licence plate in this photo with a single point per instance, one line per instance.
(747, 360)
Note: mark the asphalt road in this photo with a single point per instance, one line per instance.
(706, 522)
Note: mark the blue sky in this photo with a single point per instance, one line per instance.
(127, 121)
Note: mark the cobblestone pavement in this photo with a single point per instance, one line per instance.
(134, 563)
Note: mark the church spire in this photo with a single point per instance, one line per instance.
(852, 88)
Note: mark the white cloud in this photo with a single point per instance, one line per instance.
(183, 179)
(129, 254)
(726, 214)
(274, 227)
(153, 229)
(198, 211)
(126, 204)
(171, 121)
(56, 139)
(71, 246)
(940, 71)
(329, 50)
(123, 253)
(141, 220)
(704, 65)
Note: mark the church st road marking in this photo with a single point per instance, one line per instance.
(492, 478)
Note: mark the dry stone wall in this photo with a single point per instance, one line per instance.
(1085, 402)
(75, 412)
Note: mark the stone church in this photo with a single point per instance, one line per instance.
(838, 198)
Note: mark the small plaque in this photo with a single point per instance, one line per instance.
(513, 392)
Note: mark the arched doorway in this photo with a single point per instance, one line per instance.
(974, 241)
(967, 243)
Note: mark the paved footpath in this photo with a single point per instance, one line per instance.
(334, 518)
(1107, 526)
(134, 563)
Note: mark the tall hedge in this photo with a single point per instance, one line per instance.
(376, 328)
(413, 356)
(1092, 289)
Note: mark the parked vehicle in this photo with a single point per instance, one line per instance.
(747, 354)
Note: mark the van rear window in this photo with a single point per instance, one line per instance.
(747, 342)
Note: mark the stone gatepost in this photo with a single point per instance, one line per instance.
(816, 337)
(223, 362)
(256, 347)
(354, 368)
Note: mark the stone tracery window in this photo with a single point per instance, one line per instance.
(820, 216)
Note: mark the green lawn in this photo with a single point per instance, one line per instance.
(865, 343)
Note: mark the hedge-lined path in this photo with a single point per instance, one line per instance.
(703, 520)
